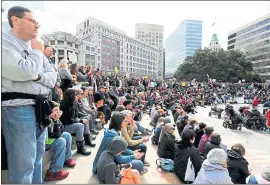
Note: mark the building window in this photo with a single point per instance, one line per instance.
(61, 42)
(99, 36)
(76, 46)
(53, 42)
(109, 53)
(122, 62)
(92, 49)
(84, 24)
(98, 50)
(98, 58)
(98, 43)
(60, 52)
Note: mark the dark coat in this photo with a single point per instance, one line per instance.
(237, 167)
(167, 146)
(199, 133)
(208, 147)
(183, 151)
(70, 114)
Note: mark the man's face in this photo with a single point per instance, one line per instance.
(102, 90)
(27, 26)
(91, 92)
(48, 52)
(129, 106)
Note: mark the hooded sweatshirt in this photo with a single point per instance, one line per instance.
(107, 138)
(212, 174)
(237, 167)
(107, 170)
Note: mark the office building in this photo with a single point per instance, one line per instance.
(153, 35)
(254, 40)
(115, 49)
(214, 44)
(183, 42)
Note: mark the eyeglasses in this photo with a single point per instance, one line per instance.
(30, 20)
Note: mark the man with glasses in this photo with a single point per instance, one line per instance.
(26, 73)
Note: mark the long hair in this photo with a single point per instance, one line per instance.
(69, 97)
(74, 69)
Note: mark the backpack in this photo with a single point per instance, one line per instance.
(166, 164)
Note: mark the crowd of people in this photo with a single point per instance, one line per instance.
(44, 105)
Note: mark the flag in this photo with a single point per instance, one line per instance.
(116, 70)
(213, 24)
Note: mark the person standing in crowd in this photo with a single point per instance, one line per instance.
(26, 72)
(100, 101)
(237, 164)
(214, 169)
(65, 75)
(48, 52)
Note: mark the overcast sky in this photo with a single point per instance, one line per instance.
(64, 16)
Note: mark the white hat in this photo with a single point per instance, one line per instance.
(217, 156)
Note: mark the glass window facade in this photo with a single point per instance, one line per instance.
(182, 43)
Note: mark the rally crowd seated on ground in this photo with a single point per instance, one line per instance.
(81, 101)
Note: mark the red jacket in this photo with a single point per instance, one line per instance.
(256, 101)
(267, 114)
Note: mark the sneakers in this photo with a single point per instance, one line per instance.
(70, 163)
(54, 176)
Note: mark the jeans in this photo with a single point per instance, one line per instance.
(77, 128)
(61, 149)
(25, 143)
(141, 146)
(140, 128)
(90, 125)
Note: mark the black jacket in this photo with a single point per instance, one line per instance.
(183, 151)
(208, 147)
(237, 167)
(70, 114)
(167, 146)
(199, 133)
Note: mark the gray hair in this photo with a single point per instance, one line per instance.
(126, 112)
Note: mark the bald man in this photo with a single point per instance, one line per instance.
(48, 52)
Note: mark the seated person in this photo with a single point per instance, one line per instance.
(161, 122)
(260, 178)
(184, 150)
(129, 156)
(214, 169)
(180, 124)
(72, 123)
(108, 171)
(214, 142)
(205, 138)
(237, 164)
(128, 135)
(59, 142)
(166, 144)
(199, 131)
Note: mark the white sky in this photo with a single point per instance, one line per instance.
(64, 16)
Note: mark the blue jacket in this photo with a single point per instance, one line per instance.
(124, 158)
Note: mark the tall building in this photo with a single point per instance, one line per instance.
(182, 43)
(214, 44)
(254, 40)
(115, 49)
(152, 34)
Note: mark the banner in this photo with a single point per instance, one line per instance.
(116, 70)
(145, 77)
(72, 57)
(183, 84)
